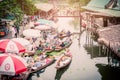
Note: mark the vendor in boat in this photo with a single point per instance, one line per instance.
(26, 57)
(68, 33)
(67, 40)
(37, 63)
(56, 42)
(47, 44)
(42, 56)
(67, 53)
(61, 33)
(40, 46)
(62, 44)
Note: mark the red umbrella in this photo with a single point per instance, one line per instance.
(7, 45)
(11, 64)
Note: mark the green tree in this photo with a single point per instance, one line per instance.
(16, 8)
(81, 2)
(27, 6)
(10, 8)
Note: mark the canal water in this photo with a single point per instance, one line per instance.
(87, 63)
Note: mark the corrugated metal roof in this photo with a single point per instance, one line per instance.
(98, 3)
(99, 6)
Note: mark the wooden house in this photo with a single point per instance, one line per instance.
(46, 11)
(103, 16)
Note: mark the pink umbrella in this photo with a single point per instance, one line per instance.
(11, 64)
(7, 45)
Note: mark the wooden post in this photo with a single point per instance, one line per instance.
(80, 22)
(100, 49)
(105, 22)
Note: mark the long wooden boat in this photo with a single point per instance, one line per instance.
(64, 35)
(30, 70)
(61, 63)
(61, 48)
(48, 61)
(48, 50)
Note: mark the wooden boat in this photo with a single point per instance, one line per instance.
(61, 63)
(48, 50)
(48, 61)
(26, 74)
(61, 48)
(64, 35)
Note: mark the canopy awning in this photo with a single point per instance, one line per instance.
(99, 6)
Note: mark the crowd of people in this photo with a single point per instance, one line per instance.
(49, 40)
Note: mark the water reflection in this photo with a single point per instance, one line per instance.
(94, 51)
(37, 74)
(60, 72)
(108, 72)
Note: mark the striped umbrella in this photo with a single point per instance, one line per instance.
(11, 64)
(22, 41)
(10, 46)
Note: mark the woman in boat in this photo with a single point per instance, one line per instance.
(37, 63)
(62, 44)
(67, 41)
(67, 53)
(68, 33)
(40, 46)
(42, 56)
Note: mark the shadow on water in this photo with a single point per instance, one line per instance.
(94, 51)
(108, 72)
(36, 73)
(60, 72)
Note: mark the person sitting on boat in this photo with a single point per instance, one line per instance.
(34, 39)
(31, 49)
(40, 46)
(61, 33)
(42, 56)
(37, 64)
(68, 33)
(47, 45)
(31, 64)
(56, 43)
(48, 59)
(67, 52)
(26, 57)
(67, 40)
(62, 44)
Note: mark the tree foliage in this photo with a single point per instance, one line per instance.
(81, 2)
(27, 6)
(16, 8)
